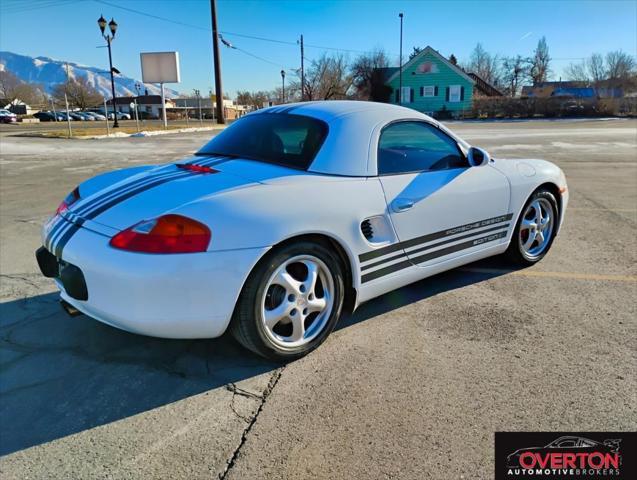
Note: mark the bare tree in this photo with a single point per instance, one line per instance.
(577, 71)
(540, 62)
(596, 67)
(592, 69)
(327, 78)
(620, 65)
(253, 99)
(12, 89)
(485, 65)
(515, 70)
(80, 93)
(367, 77)
(453, 60)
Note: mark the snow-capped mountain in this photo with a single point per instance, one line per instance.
(48, 72)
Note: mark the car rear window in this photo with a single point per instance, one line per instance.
(280, 138)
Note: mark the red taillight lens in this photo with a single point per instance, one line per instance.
(166, 234)
(70, 199)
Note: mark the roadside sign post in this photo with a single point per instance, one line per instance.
(68, 117)
(133, 105)
(163, 105)
(187, 121)
(200, 117)
(55, 115)
(160, 67)
(108, 129)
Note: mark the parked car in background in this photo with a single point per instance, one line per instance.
(84, 116)
(7, 117)
(62, 116)
(95, 115)
(45, 116)
(123, 116)
(75, 116)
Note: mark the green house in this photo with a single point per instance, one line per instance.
(431, 84)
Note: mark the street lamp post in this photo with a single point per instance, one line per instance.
(282, 86)
(198, 95)
(400, 63)
(112, 25)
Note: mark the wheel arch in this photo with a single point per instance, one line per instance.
(346, 258)
(555, 190)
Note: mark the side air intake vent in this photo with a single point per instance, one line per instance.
(366, 228)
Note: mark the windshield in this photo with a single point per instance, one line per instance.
(281, 138)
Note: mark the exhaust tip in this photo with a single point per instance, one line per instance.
(70, 309)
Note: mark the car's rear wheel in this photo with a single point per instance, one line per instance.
(290, 302)
(535, 230)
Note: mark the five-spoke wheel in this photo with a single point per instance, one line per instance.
(291, 301)
(297, 301)
(535, 229)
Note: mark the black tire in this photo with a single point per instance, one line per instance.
(246, 325)
(515, 253)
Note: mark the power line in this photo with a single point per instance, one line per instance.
(22, 7)
(225, 32)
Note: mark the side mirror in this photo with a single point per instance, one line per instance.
(478, 157)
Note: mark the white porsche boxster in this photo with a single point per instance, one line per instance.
(289, 216)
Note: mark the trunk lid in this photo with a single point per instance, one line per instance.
(154, 192)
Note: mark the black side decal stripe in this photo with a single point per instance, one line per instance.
(384, 260)
(434, 245)
(432, 236)
(431, 255)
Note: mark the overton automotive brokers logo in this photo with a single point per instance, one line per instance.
(557, 456)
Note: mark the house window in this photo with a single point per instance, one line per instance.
(407, 95)
(428, 91)
(454, 93)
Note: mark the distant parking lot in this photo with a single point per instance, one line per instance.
(413, 385)
(80, 126)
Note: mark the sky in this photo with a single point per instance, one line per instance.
(67, 30)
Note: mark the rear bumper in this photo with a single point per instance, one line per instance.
(170, 296)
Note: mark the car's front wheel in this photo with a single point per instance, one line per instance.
(535, 230)
(290, 302)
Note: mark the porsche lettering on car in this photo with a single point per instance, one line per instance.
(287, 218)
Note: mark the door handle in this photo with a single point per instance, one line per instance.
(402, 204)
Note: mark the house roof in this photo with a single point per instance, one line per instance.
(435, 53)
(484, 86)
(577, 92)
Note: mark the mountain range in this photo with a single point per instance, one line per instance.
(48, 72)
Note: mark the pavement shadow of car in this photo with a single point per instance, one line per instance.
(443, 282)
(62, 375)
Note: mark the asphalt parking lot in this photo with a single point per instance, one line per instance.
(412, 386)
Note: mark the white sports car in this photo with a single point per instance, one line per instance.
(289, 216)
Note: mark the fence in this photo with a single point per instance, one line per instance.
(506, 107)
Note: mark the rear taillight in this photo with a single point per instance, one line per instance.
(70, 199)
(165, 234)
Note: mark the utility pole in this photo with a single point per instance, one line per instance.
(400, 63)
(217, 61)
(302, 72)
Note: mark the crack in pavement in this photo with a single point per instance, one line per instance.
(232, 387)
(244, 436)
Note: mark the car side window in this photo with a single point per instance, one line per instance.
(567, 443)
(406, 147)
